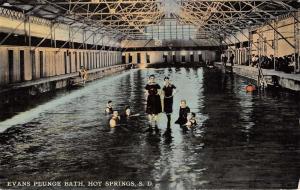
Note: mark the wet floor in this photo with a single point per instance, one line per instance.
(243, 140)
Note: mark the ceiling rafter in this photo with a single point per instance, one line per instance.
(129, 19)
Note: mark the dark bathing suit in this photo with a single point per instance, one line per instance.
(183, 112)
(153, 100)
(168, 99)
(110, 110)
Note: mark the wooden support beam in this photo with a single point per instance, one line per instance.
(288, 42)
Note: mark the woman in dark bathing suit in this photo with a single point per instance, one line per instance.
(168, 92)
(153, 100)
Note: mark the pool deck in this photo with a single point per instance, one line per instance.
(62, 81)
(286, 80)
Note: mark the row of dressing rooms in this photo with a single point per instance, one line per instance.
(22, 64)
(151, 57)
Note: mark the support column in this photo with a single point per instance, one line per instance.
(297, 41)
(275, 40)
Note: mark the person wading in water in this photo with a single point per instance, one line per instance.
(168, 92)
(183, 113)
(153, 100)
(109, 108)
(115, 120)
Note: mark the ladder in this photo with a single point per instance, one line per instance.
(261, 79)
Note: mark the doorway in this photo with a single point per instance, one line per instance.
(174, 58)
(123, 59)
(22, 66)
(41, 64)
(183, 58)
(192, 58)
(138, 57)
(11, 65)
(200, 58)
(165, 57)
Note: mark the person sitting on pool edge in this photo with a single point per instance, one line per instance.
(115, 120)
(83, 74)
(109, 108)
(183, 112)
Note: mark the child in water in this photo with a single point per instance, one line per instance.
(115, 120)
(183, 113)
(192, 122)
(109, 109)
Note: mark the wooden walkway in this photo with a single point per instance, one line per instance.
(56, 78)
(286, 80)
(270, 72)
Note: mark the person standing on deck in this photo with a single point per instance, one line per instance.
(168, 92)
(153, 100)
(224, 58)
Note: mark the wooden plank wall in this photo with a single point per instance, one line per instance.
(47, 62)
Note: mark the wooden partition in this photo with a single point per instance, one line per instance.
(19, 64)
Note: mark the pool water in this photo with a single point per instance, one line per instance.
(243, 140)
